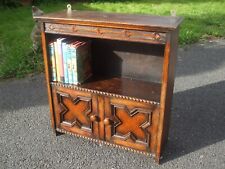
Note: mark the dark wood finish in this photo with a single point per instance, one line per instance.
(106, 33)
(115, 120)
(47, 75)
(131, 124)
(112, 20)
(127, 101)
(170, 57)
(76, 111)
(125, 87)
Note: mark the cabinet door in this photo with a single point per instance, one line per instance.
(131, 124)
(76, 111)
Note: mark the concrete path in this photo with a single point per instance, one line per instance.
(197, 133)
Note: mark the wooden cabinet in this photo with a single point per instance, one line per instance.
(127, 101)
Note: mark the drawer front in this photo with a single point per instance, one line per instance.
(75, 111)
(106, 33)
(131, 124)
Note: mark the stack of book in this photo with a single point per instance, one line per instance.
(70, 60)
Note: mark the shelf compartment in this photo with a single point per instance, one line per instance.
(137, 90)
(116, 58)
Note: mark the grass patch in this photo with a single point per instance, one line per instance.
(202, 19)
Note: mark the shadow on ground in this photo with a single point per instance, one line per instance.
(198, 120)
(28, 92)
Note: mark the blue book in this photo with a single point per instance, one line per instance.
(78, 62)
(74, 64)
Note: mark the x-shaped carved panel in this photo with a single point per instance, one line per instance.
(131, 124)
(75, 111)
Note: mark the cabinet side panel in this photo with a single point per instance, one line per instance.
(47, 76)
(167, 90)
(170, 88)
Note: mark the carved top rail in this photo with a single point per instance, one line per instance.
(106, 33)
(113, 20)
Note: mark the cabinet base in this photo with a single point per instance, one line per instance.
(107, 143)
(57, 133)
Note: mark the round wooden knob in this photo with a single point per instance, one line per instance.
(107, 121)
(94, 118)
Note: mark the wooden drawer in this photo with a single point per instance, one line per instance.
(75, 111)
(106, 33)
(131, 124)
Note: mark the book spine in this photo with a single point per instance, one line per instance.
(57, 62)
(84, 62)
(52, 60)
(74, 65)
(65, 60)
(69, 64)
(60, 55)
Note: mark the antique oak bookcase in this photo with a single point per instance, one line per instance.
(127, 101)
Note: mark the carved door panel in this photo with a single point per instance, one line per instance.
(76, 111)
(131, 124)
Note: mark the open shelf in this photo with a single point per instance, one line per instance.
(115, 58)
(129, 70)
(122, 86)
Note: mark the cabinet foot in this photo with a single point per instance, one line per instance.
(158, 159)
(57, 133)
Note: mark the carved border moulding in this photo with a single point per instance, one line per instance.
(106, 33)
(64, 109)
(57, 28)
(132, 113)
(103, 93)
(104, 142)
